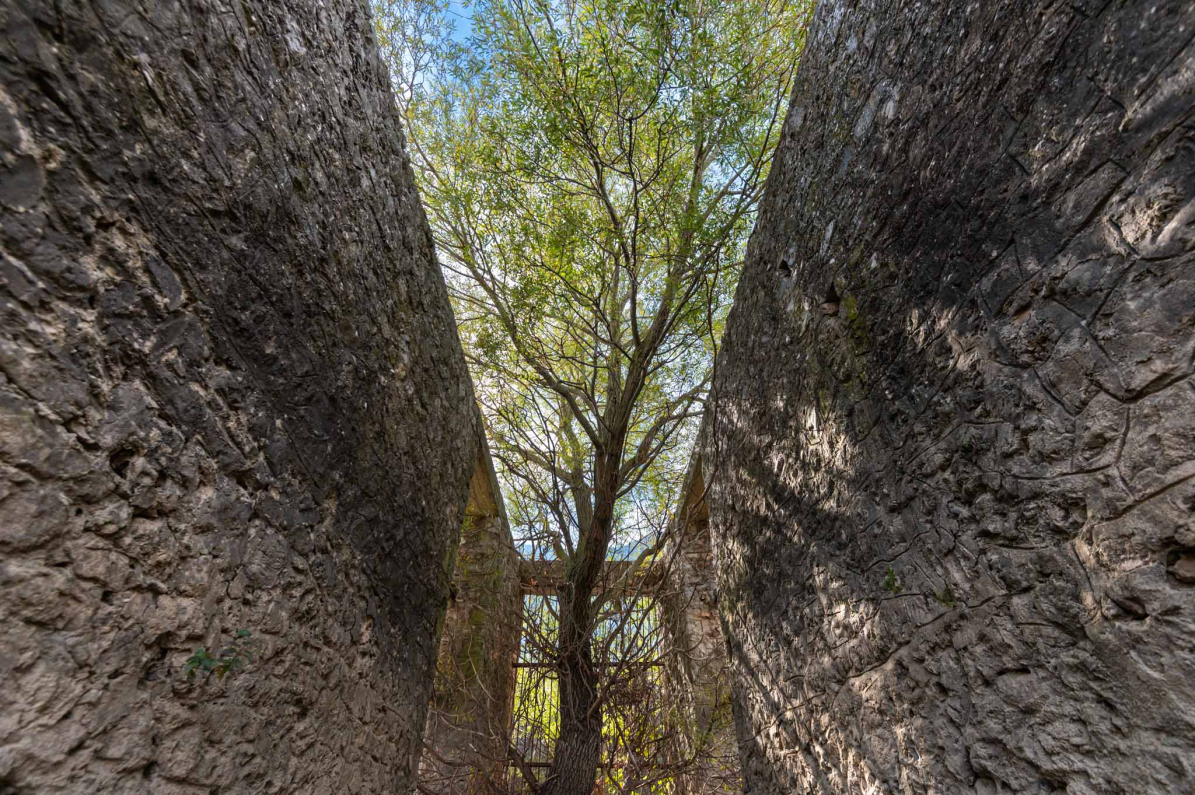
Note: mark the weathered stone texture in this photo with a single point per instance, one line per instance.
(696, 668)
(953, 443)
(231, 396)
(468, 727)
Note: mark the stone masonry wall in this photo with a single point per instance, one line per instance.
(468, 727)
(952, 447)
(696, 668)
(231, 397)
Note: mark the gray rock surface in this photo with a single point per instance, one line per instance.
(952, 449)
(231, 396)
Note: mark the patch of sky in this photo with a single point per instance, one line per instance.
(460, 16)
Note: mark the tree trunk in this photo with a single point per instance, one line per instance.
(578, 748)
(952, 447)
(579, 744)
(231, 397)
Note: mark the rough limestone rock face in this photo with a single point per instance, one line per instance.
(952, 452)
(231, 397)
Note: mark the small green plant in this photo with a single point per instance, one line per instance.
(891, 583)
(945, 597)
(230, 659)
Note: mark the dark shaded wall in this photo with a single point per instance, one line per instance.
(952, 448)
(231, 397)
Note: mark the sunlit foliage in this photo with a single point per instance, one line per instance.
(591, 171)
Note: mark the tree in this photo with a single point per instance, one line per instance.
(591, 171)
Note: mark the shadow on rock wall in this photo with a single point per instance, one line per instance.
(231, 398)
(954, 435)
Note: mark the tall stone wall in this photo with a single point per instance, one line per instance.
(231, 397)
(952, 445)
(468, 727)
(696, 668)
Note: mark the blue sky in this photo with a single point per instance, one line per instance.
(462, 20)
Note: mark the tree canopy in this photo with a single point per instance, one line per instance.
(591, 172)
